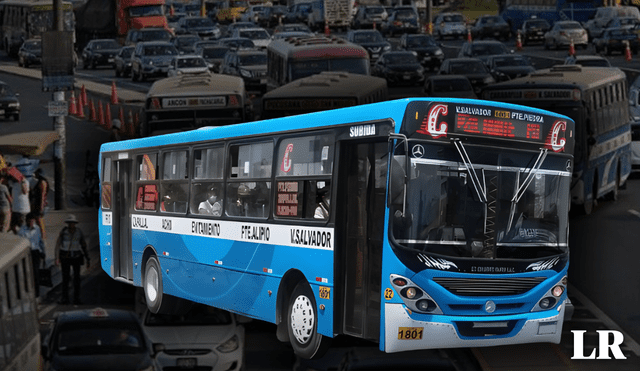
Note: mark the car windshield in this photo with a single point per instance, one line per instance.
(302, 69)
(374, 10)
(254, 34)
(97, 337)
(510, 61)
(33, 45)
(442, 86)
(401, 59)
(420, 41)
(5, 90)
(214, 52)
(160, 50)
(111, 44)
(199, 315)
(405, 14)
(191, 62)
(511, 211)
(145, 11)
(199, 22)
(467, 67)
(240, 43)
(253, 59)
(570, 26)
(368, 37)
(537, 24)
(492, 20)
(488, 49)
(190, 40)
(455, 18)
(160, 35)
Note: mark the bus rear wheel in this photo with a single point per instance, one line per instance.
(152, 284)
(302, 324)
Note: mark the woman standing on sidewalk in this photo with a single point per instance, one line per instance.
(5, 205)
(71, 251)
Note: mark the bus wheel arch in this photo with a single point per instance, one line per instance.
(152, 285)
(302, 323)
(285, 290)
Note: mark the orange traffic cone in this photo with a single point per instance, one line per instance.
(121, 116)
(518, 41)
(374, 25)
(114, 93)
(83, 96)
(627, 52)
(107, 115)
(80, 111)
(326, 28)
(469, 35)
(572, 49)
(73, 110)
(101, 115)
(92, 112)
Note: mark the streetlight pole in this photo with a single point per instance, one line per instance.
(59, 124)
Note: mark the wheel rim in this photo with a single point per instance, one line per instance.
(302, 319)
(151, 284)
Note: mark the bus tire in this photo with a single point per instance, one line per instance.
(302, 324)
(152, 284)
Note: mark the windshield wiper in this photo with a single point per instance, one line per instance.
(481, 189)
(521, 188)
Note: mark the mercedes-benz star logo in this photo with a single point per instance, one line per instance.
(417, 151)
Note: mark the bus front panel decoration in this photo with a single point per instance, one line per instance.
(469, 249)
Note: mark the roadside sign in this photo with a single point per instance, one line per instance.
(58, 108)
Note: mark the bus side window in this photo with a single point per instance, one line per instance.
(175, 195)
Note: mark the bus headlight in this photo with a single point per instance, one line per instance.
(426, 305)
(551, 297)
(410, 293)
(547, 303)
(413, 297)
(557, 291)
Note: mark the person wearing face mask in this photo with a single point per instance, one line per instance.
(211, 206)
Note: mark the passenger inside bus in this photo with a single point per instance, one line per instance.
(211, 206)
(323, 202)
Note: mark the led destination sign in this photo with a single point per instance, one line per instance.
(444, 120)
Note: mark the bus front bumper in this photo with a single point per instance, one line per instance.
(463, 332)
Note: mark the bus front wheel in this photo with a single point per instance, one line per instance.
(302, 324)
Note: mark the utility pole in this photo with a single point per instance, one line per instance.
(429, 17)
(60, 126)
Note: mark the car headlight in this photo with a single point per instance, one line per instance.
(245, 73)
(438, 52)
(229, 345)
(387, 47)
(14, 104)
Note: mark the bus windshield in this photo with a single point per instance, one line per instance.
(41, 21)
(495, 204)
(307, 68)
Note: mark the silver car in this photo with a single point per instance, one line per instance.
(563, 33)
(450, 25)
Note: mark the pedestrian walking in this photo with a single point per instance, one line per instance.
(31, 231)
(38, 199)
(5, 204)
(71, 251)
(116, 131)
(21, 205)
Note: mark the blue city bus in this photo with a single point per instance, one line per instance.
(415, 223)
(596, 99)
(515, 12)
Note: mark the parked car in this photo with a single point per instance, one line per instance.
(260, 37)
(30, 52)
(251, 65)
(187, 65)
(185, 43)
(472, 68)
(371, 40)
(448, 86)
(533, 30)
(505, 67)
(588, 60)
(429, 52)
(482, 49)
(9, 103)
(450, 25)
(563, 33)
(292, 27)
(99, 52)
(98, 339)
(135, 36)
(404, 19)
(368, 15)
(214, 55)
(122, 61)
(399, 68)
(201, 26)
(151, 59)
(491, 26)
(616, 40)
(205, 337)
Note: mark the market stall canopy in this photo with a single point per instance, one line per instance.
(32, 143)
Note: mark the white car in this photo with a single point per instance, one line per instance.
(260, 37)
(203, 338)
(187, 65)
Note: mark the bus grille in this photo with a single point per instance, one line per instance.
(488, 286)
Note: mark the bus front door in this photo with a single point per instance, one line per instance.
(360, 208)
(121, 233)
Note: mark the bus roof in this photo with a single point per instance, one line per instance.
(317, 47)
(328, 84)
(184, 85)
(581, 77)
(393, 110)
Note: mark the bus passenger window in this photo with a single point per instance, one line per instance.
(323, 200)
(206, 199)
(175, 165)
(174, 197)
(147, 197)
(147, 166)
(250, 199)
